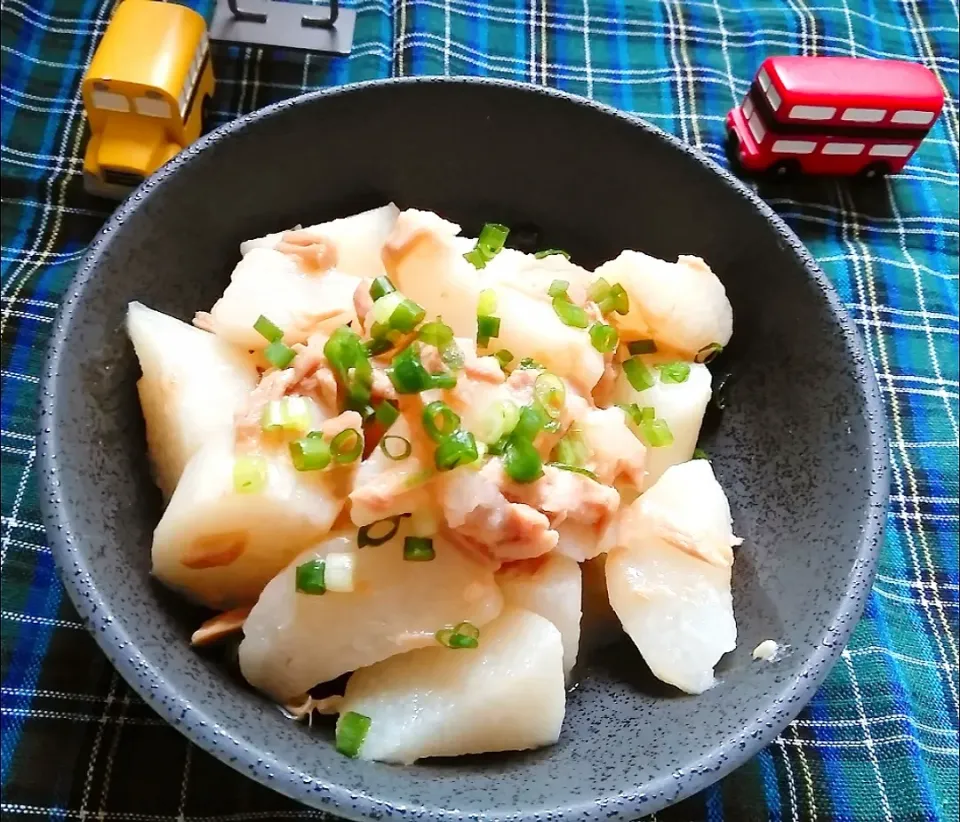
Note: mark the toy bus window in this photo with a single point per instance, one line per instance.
(747, 106)
(886, 150)
(843, 148)
(756, 128)
(864, 115)
(764, 79)
(773, 97)
(813, 112)
(794, 146)
(913, 118)
(152, 104)
(108, 100)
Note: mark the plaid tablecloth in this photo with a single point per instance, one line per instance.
(879, 741)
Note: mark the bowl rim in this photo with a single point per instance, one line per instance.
(241, 754)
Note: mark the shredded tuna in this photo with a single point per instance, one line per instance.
(475, 509)
(219, 626)
(343, 422)
(314, 253)
(273, 385)
(362, 302)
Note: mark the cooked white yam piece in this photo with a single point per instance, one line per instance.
(549, 586)
(681, 405)
(385, 487)
(300, 303)
(424, 257)
(292, 640)
(505, 695)
(220, 547)
(358, 240)
(669, 578)
(681, 305)
(425, 262)
(533, 277)
(529, 327)
(615, 451)
(192, 385)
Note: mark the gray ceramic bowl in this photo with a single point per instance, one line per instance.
(800, 448)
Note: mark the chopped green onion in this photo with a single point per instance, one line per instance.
(487, 326)
(352, 730)
(310, 577)
(406, 316)
(267, 330)
(460, 448)
(396, 448)
(444, 381)
(549, 252)
(439, 420)
(436, 333)
(531, 422)
(408, 374)
(632, 410)
(418, 549)
(504, 357)
(599, 290)
(249, 474)
(700, 454)
(382, 311)
(708, 353)
(464, 635)
(569, 313)
(339, 572)
(638, 374)
(575, 469)
(656, 433)
(498, 421)
(386, 413)
(550, 393)
(491, 240)
(272, 417)
(310, 453)
(529, 362)
(378, 345)
(347, 446)
(674, 372)
(279, 354)
(350, 361)
(571, 450)
(648, 412)
(604, 337)
(364, 537)
(558, 288)
(487, 303)
(641, 347)
(617, 300)
(381, 286)
(521, 461)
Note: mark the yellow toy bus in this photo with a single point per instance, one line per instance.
(144, 93)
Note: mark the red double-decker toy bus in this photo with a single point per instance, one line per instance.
(833, 115)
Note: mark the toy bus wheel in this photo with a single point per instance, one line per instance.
(875, 171)
(785, 169)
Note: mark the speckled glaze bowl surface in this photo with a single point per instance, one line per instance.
(800, 448)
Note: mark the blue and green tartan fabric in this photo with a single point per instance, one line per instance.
(879, 740)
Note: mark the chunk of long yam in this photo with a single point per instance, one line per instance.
(358, 240)
(292, 640)
(219, 546)
(681, 305)
(551, 587)
(192, 385)
(669, 578)
(505, 695)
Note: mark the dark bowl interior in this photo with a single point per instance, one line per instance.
(800, 448)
